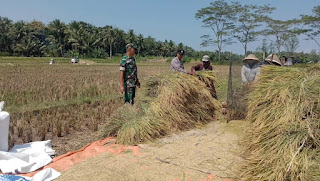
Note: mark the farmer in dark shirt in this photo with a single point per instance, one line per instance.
(205, 66)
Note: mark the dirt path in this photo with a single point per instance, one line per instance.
(211, 153)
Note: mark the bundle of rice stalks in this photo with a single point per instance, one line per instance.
(131, 125)
(284, 143)
(169, 103)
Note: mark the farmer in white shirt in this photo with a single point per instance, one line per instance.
(177, 63)
(251, 69)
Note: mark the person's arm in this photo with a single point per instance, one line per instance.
(195, 68)
(210, 67)
(243, 75)
(121, 82)
(138, 82)
(176, 66)
(122, 70)
(257, 74)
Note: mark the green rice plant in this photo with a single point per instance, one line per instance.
(283, 142)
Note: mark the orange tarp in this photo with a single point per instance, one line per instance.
(64, 162)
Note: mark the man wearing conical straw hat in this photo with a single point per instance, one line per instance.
(273, 59)
(251, 69)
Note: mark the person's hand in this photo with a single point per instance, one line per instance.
(122, 90)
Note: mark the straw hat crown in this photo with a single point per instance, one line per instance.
(251, 57)
(273, 58)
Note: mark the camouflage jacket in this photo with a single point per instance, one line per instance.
(128, 65)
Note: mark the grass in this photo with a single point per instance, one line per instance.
(284, 109)
(34, 85)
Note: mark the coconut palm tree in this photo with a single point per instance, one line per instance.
(131, 37)
(57, 35)
(140, 40)
(6, 40)
(112, 35)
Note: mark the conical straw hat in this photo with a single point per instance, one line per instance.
(274, 59)
(251, 57)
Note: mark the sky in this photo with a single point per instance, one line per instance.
(162, 19)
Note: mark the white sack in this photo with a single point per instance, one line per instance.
(27, 157)
(44, 175)
(4, 128)
(37, 146)
(23, 162)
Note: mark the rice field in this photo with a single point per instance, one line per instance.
(65, 101)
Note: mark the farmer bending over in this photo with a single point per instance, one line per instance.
(177, 63)
(205, 66)
(128, 75)
(251, 69)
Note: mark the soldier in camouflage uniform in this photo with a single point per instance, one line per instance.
(128, 75)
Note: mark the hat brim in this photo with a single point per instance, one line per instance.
(274, 62)
(245, 60)
(132, 46)
(205, 60)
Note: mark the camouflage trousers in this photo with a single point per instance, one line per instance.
(129, 95)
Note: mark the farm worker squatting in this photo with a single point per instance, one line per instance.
(205, 66)
(251, 69)
(129, 75)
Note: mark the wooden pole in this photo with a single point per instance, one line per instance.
(230, 91)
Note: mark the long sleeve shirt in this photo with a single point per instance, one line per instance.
(177, 65)
(201, 67)
(250, 74)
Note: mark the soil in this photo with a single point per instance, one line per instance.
(210, 153)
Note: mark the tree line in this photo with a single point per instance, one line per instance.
(58, 39)
(231, 22)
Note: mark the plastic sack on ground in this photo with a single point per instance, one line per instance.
(44, 175)
(34, 147)
(4, 128)
(26, 158)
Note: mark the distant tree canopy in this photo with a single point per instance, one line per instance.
(64, 40)
(313, 22)
(230, 21)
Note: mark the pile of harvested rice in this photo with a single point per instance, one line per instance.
(284, 142)
(169, 103)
